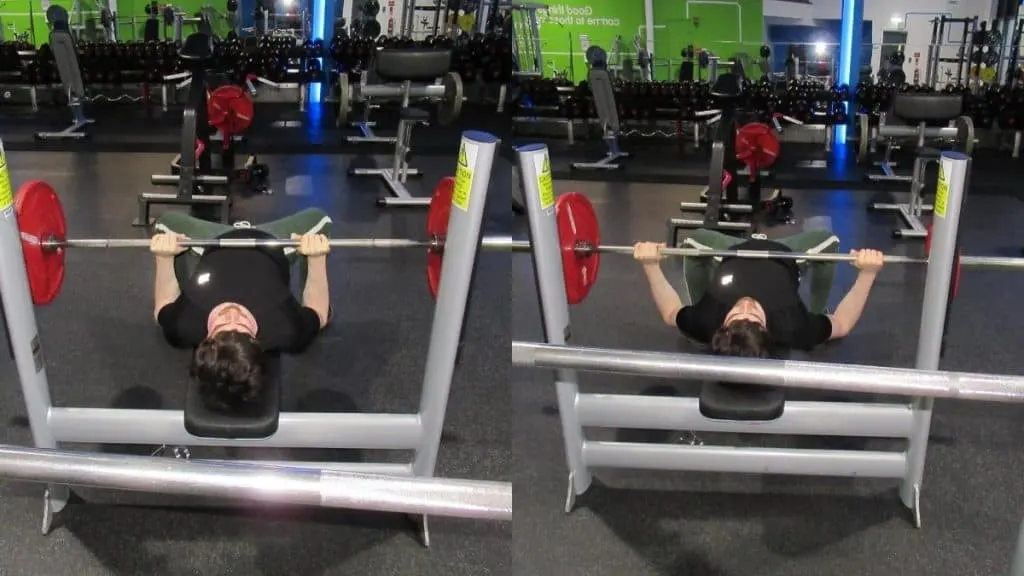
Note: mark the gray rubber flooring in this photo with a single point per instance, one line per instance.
(103, 349)
(703, 524)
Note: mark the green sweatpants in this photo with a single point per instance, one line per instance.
(697, 272)
(308, 221)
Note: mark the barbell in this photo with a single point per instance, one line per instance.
(579, 236)
(44, 239)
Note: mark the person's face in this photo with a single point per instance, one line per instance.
(746, 309)
(231, 317)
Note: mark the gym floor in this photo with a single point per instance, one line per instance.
(669, 524)
(103, 350)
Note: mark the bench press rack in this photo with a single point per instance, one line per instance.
(419, 432)
(908, 420)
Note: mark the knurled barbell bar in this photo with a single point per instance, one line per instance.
(53, 243)
(584, 250)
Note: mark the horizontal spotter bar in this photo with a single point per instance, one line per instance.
(784, 373)
(744, 460)
(263, 483)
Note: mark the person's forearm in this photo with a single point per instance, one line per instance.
(165, 288)
(848, 312)
(315, 294)
(665, 296)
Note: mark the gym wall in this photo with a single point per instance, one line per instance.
(726, 27)
(16, 12)
(569, 26)
(912, 15)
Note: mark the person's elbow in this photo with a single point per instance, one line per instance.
(840, 328)
(671, 317)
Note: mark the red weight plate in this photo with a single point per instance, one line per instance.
(229, 109)
(41, 218)
(578, 226)
(757, 146)
(437, 228)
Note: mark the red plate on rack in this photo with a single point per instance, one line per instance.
(437, 229)
(41, 218)
(578, 228)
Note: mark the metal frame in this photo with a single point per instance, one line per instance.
(397, 174)
(420, 431)
(910, 212)
(909, 420)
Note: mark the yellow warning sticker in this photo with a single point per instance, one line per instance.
(545, 186)
(6, 194)
(941, 194)
(464, 177)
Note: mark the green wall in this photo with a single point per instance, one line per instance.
(717, 27)
(16, 12)
(599, 20)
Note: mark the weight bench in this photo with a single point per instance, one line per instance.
(607, 112)
(405, 66)
(922, 110)
(66, 56)
(193, 164)
(257, 420)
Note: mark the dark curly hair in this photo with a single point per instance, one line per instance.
(230, 370)
(743, 338)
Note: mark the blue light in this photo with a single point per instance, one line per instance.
(318, 33)
(847, 43)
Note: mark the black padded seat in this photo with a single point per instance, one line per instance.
(937, 109)
(927, 153)
(414, 114)
(741, 402)
(257, 420)
(412, 64)
(727, 87)
(197, 48)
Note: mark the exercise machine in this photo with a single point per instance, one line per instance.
(919, 111)
(446, 90)
(266, 425)
(600, 84)
(194, 171)
(892, 130)
(405, 66)
(761, 407)
(65, 54)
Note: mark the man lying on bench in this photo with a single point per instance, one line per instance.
(752, 307)
(234, 306)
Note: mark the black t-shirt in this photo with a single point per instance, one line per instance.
(775, 284)
(257, 278)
